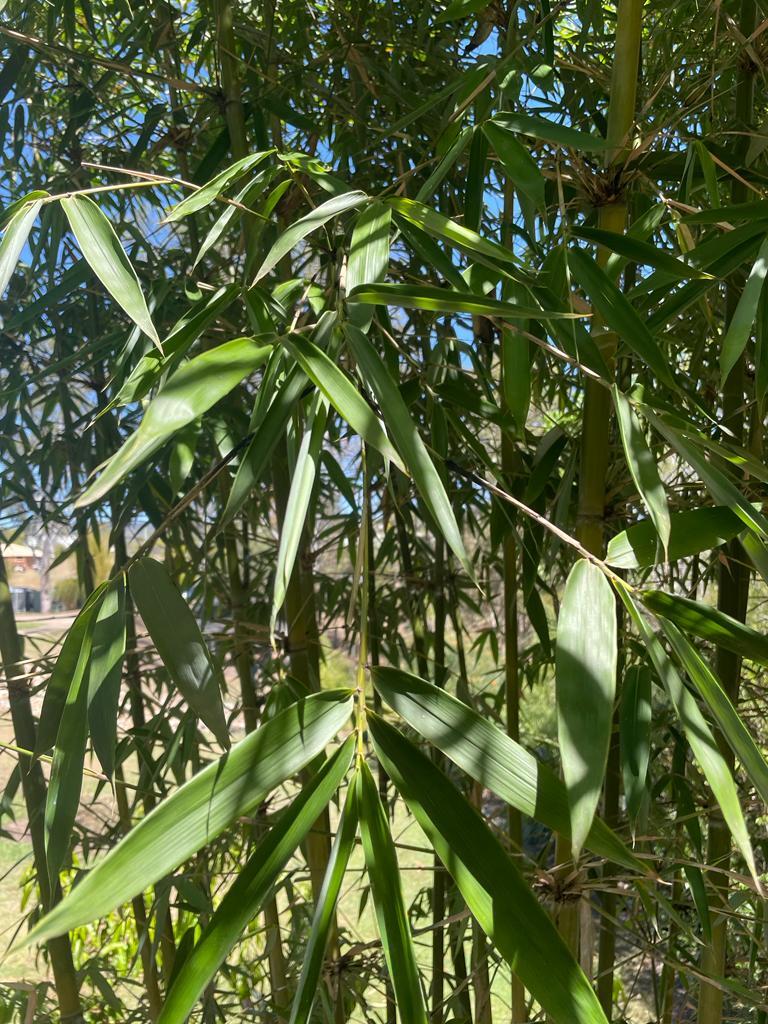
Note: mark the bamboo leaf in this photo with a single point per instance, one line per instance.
(724, 713)
(443, 300)
(201, 809)
(252, 886)
(383, 871)
(408, 441)
(105, 673)
(638, 251)
(14, 239)
(342, 394)
(306, 225)
(635, 736)
(517, 161)
(190, 392)
(691, 532)
(743, 319)
(548, 131)
(368, 255)
(493, 888)
(322, 922)
(488, 755)
(642, 466)
(179, 643)
(698, 734)
(105, 255)
(617, 312)
(585, 670)
(212, 190)
(709, 623)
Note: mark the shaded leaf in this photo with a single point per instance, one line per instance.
(105, 673)
(691, 532)
(635, 736)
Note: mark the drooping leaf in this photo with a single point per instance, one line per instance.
(384, 873)
(408, 440)
(585, 672)
(201, 809)
(709, 623)
(642, 466)
(635, 735)
(517, 161)
(252, 886)
(691, 532)
(190, 392)
(492, 758)
(179, 643)
(14, 239)
(443, 300)
(549, 131)
(306, 225)
(342, 394)
(740, 326)
(493, 888)
(105, 673)
(212, 190)
(368, 255)
(319, 934)
(641, 252)
(698, 734)
(105, 255)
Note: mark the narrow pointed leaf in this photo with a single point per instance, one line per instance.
(252, 886)
(190, 392)
(386, 888)
(343, 395)
(105, 255)
(743, 319)
(691, 532)
(212, 190)
(320, 931)
(368, 255)
(635, 736)
(493, 888)
(408, 440)
(14, 239)
(550, 131)
(443, 300)
(642, 466)
(518, 162)
(201, 809)
(585, 669)
(488, 755)
(179, 643)
(638, 251)
(105, 673)
(709, 623)
(306, 225)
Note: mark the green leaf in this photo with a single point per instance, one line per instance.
(322, 922)
(252, 886)
(63, 672)
(233, 785)
(460, 9)
(66, 780)
(493, 888)
(635, 736)
(518, 162)
(191, 391)
(548, 131)
(342, 394)
(742, 321)
(709, 623)
(408, 440)
(444, 300)
(105, 255)
(488, 755)
(179, 642)
(618, 314)
(641, 252)
(585, 671)
(723, 712)
(383, 871)
(368, 255)
(754, 211)
(14, 239)
(105, 673)
(642, 466)
(698, 734)
(306, 225)
(212, 190)
(691, 532)
(298, 504)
